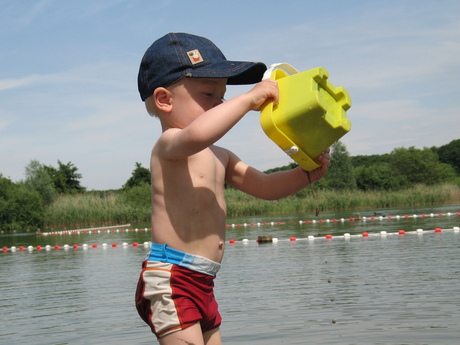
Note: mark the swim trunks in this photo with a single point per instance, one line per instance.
(171, 297)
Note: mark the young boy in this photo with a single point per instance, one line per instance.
(182, 79)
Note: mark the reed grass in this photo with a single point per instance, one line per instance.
(87, 210)
(325, 200)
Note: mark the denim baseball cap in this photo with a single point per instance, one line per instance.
(178, 55)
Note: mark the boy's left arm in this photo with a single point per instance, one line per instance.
(275, 185)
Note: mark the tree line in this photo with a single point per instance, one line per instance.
(23, 204)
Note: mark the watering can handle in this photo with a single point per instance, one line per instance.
(284, 66)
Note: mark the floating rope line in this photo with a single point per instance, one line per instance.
(75, 231)
(346, 236)
(108, 229)
(352, 219)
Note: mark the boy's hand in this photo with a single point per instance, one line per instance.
(325, 159)
(265, 91)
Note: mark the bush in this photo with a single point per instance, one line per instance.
(20, 208)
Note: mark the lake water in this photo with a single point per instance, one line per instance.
(378, 289)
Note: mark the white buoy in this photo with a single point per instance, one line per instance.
(48, 247)
(84, 246)
(275, 240)
(30, 248)
(311, 237)
(346, 235)
(66, 246)
(245, 241)
(456, 229)
(383, 233)
(419, 231)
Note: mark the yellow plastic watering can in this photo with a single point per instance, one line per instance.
(310, 115)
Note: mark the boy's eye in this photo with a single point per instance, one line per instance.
(210, 94)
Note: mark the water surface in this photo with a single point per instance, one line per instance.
(395, 289)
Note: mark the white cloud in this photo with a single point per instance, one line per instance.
(13, 83)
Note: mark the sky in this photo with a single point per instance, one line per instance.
(68, 75)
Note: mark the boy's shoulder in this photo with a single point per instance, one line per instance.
(167, 134)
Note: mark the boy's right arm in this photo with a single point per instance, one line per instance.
(210, 126)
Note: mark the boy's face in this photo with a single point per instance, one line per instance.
(192, 97)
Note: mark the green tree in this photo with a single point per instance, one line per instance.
(378, 176)
(340, 174)
(20, 207)
(420, 166)
(139, 176)
(37, 178)
(65, 178)
(138, 196)
(361, 160)
(450, 154)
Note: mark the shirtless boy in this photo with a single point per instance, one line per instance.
(183, 79)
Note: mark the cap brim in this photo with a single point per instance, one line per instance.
(237, 72)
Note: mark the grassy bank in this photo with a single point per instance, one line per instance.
(86, 210)
(239, 204)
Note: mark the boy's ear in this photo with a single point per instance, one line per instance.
(162, 99)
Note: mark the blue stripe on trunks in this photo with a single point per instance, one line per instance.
(163, 253)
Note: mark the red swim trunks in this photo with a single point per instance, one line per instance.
(170, 298)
